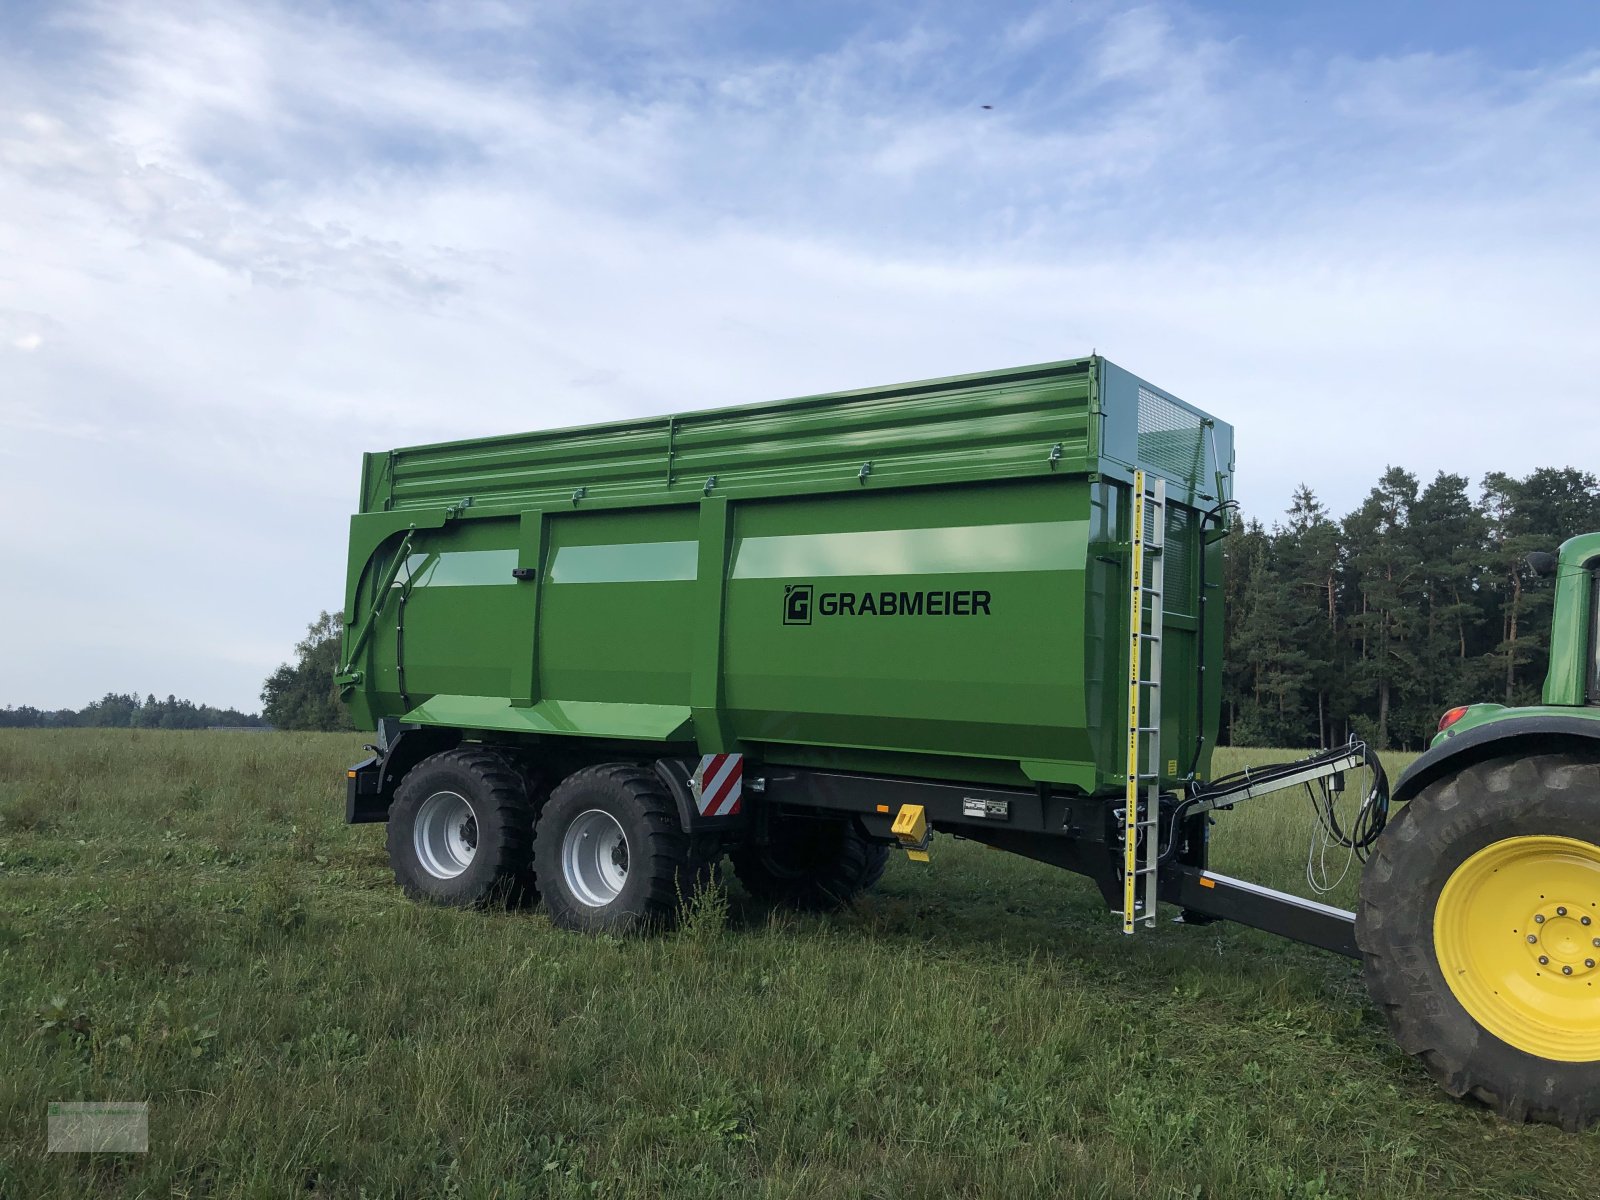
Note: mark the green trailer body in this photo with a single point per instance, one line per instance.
(928, 579)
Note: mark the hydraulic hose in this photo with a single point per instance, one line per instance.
(1370, 820)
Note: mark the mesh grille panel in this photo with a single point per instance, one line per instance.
(1179, 556)
(1171, 438)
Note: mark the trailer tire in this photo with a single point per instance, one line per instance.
(611, 855)
(460, 830)
(810, 864)
(1470, 883)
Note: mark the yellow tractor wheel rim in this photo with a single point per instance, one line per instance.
(1517, 935)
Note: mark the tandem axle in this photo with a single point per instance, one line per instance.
(1082, 834)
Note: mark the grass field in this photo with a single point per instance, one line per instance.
(187, 921)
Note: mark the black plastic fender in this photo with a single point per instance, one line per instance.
(370, 784)
(675, 774)
(1495, 739)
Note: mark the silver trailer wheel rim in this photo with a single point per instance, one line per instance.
(445, 835)
(594, 858)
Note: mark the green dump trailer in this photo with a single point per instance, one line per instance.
(800, 634)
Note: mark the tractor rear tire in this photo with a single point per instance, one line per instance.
(611, 855)
(461, 830)
(1479, 925)
(811, 864)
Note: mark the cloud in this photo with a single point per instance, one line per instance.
(23, 330)
(245, 242)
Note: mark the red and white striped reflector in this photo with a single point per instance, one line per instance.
(717, 784)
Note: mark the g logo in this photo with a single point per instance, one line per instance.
(797, 604)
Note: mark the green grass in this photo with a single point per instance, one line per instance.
(186, 920)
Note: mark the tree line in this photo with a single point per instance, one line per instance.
(298, 695)
(302, 695)
(1375, 623)
(124, 710)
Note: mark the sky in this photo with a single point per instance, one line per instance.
(241, 243)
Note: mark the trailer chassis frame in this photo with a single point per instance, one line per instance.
(1083, 834)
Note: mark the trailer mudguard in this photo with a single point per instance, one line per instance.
(1518, 735)
(370, 784)
(678, 776)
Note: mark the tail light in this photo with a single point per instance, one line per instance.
(1452, 716)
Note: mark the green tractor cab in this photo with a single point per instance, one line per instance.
(1568, 718)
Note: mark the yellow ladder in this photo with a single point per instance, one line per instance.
(1142, 800)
